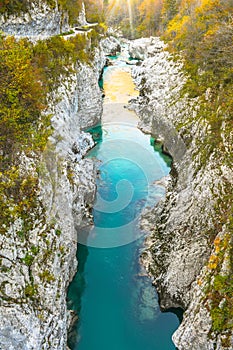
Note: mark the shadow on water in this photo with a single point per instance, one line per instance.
(178, 311)
(75, 292)
(158, 147)
(96, 132)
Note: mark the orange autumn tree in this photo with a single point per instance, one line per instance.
(150, 15)
(169, 10)
(203, 31)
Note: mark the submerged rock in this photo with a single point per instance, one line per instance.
(83, 144)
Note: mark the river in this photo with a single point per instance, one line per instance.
(115, 301)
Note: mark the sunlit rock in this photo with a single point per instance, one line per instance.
(111, 46)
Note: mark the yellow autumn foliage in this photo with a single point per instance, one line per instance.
(213, 262)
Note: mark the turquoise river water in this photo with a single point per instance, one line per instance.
(115, 301)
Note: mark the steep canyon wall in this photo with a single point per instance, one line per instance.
(39, 261)
(188, 249)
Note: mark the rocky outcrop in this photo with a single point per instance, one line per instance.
(41, 21)
(162, 82)
(145, 47)
(111, 46)
(185, 225)
(86, 99)
(82, 21)
(196, 330)
(38, 264)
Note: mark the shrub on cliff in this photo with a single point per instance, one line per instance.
(204, 33)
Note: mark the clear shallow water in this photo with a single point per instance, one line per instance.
(115, 301)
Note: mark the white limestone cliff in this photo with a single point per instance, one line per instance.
(39, 261)
(40, 22)
(184, 226)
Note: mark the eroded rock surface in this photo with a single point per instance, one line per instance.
(39, 261)
(184, 225)
(111, 46)
(41, 21)
(145, 47)
(39, 264)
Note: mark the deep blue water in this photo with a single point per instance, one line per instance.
(114, 299)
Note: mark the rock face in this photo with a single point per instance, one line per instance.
(39, 261)
(153, 102)
(40, 22)
(82, 16)
(145, 47)
(86, 98)
(39, 265)
(38, 268)
(111, 46)
(90, 97)
(184, 226)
